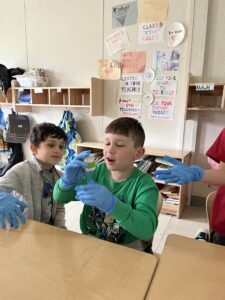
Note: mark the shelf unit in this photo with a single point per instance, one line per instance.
(184, 156)
(205, 97)
(77, 97)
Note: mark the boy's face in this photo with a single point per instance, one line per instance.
(49, 152)
(120, 152)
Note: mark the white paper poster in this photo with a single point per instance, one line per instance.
(150, 32)
(166, 60)
(161, 109)
(124, 14)
(129, 108)
(164, 85)
(131, 84)
(117, 41)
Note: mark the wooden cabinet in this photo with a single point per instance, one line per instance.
(206, 96)
(24, 98)
(182, 191)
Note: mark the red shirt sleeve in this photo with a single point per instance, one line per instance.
(217, 150)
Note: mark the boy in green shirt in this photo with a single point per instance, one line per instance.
(120, 201)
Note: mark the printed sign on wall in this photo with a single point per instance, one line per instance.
(164, 85)
(133, 62)
(131, 84)
(161, 109)
(129, 108)
(166, 60)
(117, 41)
(152, 10)
(108, 69)
(150, 32)
(124, 14)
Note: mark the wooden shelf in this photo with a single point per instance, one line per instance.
(184, 156)
(206, 100)
(79, 97)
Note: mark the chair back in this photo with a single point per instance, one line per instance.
(209, 204)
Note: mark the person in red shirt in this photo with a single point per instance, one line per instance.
(183, 174)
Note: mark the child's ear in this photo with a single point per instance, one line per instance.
(139, 153)
(33, 148)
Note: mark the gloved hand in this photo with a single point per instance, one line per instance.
(179, 173)
(75, 170)
(97, 195)
(10, 209)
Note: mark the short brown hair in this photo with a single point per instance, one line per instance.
(40, 132)
(128, 127)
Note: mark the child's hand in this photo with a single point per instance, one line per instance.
(97, 195)
(10, 209)
(179, 173)
(75, 170)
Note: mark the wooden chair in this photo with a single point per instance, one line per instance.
(209, 204)
(148, 248)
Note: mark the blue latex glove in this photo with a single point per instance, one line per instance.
(75, 170)
(97, 195)
(179, 173)
(10, 209)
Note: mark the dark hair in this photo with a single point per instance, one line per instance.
(40, 132)
(128, 127)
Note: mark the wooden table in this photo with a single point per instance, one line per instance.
(39, 261)
(189, 269)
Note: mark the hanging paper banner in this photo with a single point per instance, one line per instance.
(124, 14)
(161, 109)
(152, 10)
(164, 85)
(166, 60)
(129, 108)
(131, 84)
(117, 41)
(133, 62)
(108, 69)
(150, 32)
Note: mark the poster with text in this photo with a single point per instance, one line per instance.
(164, 85)
(131, 84)
(161, 109)
(133, 62)
(108, 69)
(166, 60)
(124, 14)
(152, 10)
(150, 32)
(129, 107)
(117, 41)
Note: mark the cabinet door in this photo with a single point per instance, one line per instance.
(97, 97)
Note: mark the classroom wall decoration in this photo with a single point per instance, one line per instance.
(148, 75)
(117, 41)
(131, 84)
(161, 109)
(129, 107)
(175, 34)
(166, 60)
(150, 32)
(108, 69)
(164, 85)
(148, 98)
(133, 62)
(124, 14)
(152, 10)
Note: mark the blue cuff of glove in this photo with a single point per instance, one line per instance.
(199, 173)
(114, 201)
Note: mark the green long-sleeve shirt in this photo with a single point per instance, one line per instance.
(135, 212)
